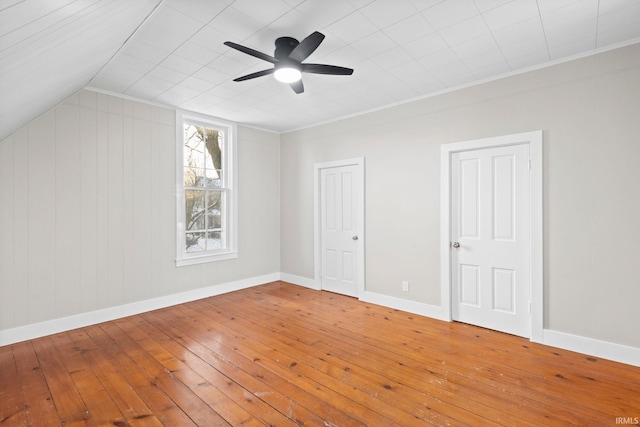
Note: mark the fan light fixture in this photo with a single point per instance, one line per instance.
(287, 75)
(287, 60)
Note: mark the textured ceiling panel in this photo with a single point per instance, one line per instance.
(399, 49)
(51, 49)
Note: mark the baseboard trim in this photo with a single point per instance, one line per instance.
(414, 307)
(379, 299)
(592, 347)
(299, 280)
(54, 326)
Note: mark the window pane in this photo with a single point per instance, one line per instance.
(214, 149)
(196, 242)
(192, 137)
(194, 210)
(190, 177)
(214, 178)
(214, 210)
(215, 240)
(195, 177)
(194, 146)
(202, 157)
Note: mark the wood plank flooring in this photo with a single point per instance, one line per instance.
(283, 355)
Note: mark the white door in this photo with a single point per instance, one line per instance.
(339, 225)
(490, 238)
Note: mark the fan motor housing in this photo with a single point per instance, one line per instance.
(284, 46)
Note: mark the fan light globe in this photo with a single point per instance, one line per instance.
(287, 75)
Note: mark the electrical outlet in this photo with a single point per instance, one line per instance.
(405, 286)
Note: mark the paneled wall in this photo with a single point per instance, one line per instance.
(588, 109)
(87, 211)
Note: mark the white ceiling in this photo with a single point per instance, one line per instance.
(399, 49)
(50, 49)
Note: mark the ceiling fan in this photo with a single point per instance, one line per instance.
(287, 60)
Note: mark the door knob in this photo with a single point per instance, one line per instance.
(354, 238)
(456, 245)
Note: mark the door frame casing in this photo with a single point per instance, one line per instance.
(534, 140)
(317, 219)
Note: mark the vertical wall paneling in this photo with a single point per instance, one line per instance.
(166, 146)
(6, 233)
(156, 211)
(67, 210)
(115, 284)
(89, 206)
(142, 231)
(102, 202)
(163, 208)
(20, 237)
(42, 217)
(128, 163)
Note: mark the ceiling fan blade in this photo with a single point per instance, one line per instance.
(252, 52)
(327, 69)
(297, 87)
(254, 75)
(306, 47)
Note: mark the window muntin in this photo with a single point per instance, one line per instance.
(206, 197)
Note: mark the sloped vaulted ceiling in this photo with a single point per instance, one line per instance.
(171, 52)
(50, 49)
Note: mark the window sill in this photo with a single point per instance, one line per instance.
(201, 259)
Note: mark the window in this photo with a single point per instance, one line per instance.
(206, 200)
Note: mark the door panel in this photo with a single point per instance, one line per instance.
(490, 220)
(504, 189)
(470, 285)
(504, 291)
(469, 198)
(339, 229)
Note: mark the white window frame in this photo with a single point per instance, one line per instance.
(230, 218)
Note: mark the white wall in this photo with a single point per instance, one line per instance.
(87, 211)
(588, 109)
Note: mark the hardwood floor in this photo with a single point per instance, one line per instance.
(283, 355)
